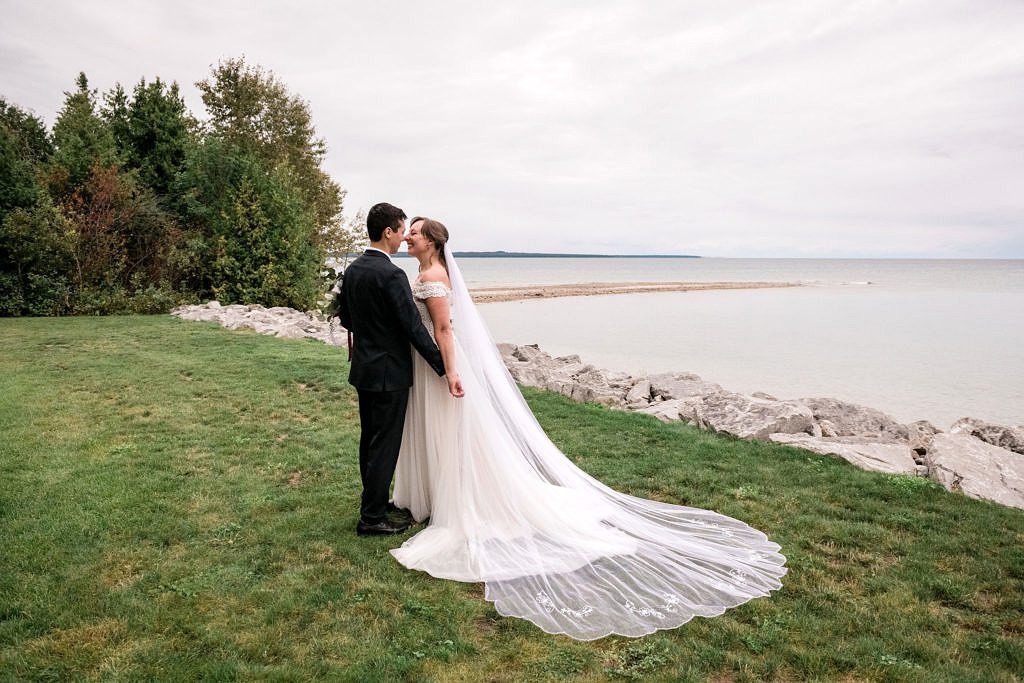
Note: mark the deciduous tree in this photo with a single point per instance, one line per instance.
(250, 108)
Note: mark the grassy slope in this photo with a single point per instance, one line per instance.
(178, 501)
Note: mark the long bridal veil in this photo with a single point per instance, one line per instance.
(570, 554)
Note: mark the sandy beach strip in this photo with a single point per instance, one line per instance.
(484, 295)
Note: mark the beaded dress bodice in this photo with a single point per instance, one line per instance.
(421, 291)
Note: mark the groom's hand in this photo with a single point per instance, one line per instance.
(455, 386)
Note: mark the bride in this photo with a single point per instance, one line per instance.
(506, 508)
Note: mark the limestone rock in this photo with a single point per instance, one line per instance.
(666, 411)
(278, 321)
(671, 385)
(866, 453)
(673, 409)
(962, 462)
(529, 353)
(506, 349)
(530, 366)
(921, 434)
(826, 428)
(639, 394)
(529, 375)
(751, 418)
(567, 375)
(589, 384)
(850, 419)
(291, 332)
(620, 380)
(1010, 438)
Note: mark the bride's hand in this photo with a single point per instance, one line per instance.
(455, 386)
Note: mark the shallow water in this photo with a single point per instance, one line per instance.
(926, 339)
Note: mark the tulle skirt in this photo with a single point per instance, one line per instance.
(552, 544)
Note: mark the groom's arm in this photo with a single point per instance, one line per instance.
(343, 312)
(400, 297)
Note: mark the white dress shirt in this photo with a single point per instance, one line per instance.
(380, 250)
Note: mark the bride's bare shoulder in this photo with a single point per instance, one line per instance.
(436, 273)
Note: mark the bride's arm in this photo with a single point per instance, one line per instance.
(440, 315)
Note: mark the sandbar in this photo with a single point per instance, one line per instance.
(485, 295)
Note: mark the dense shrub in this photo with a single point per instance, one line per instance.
(151, 299)
(36, 262)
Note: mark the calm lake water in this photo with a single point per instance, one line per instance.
(918, 339)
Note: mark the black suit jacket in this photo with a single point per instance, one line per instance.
(377, 306)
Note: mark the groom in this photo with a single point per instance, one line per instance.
(376, 306)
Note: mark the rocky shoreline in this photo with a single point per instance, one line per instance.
(980, 459)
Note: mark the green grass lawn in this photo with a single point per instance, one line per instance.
(178, 501)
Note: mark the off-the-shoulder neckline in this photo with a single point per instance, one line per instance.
(432, 282)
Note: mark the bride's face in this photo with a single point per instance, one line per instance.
(417, 243)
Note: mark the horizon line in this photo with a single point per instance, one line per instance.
(524, 254)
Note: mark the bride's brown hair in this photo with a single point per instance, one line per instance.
(435, 232)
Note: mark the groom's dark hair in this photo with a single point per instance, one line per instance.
(381, 217)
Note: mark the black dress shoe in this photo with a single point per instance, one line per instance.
(383, 528)
(399, 514)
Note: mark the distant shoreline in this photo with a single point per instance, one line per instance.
(486, 295)
(526, 254)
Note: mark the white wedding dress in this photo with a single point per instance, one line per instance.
(552, 544)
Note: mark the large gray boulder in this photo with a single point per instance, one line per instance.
(864, 452)
(670, 385)
(639, 395)
(528, 353)
(587, 384)
(751, 418)
(529, 365)
(566, 375)
(962, 462)
(841, 418)
(208, 313)
(1010, 438)
(673, 409)
(506, 349)
(921, 434)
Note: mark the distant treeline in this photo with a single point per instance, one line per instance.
(132, 204)
(526, 254)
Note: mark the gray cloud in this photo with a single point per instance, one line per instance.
(821, 128)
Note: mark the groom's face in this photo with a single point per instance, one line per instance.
(394, 236)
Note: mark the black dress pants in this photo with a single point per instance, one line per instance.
(381, 419)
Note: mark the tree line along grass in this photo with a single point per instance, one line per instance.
(177, 501)
(131, 203)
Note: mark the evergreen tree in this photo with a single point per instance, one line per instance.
(24, 146)
(152, 131)
(34, 239)
(115, 113)
(81, 139)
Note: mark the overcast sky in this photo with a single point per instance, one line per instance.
(817, 128)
